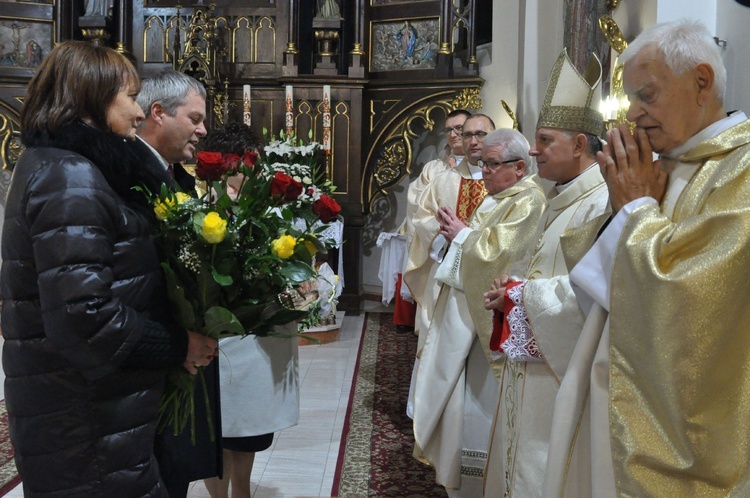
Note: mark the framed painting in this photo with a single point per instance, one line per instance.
(23, 44)
(404, 44)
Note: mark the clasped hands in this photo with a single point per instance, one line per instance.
(494, 299)
(627, 165)
(201, 351)
(450, 224)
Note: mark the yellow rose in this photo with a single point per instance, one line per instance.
(311, 248)
(181, 197)
(162, 208)
(214, 228)
(283, 247)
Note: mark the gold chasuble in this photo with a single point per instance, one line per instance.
(454, 392)
(521, 433)
(456, 188)
(680, 334)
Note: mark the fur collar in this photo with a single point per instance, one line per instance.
(124, 163)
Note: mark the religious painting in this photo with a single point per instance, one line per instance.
(406, 44)
(23, 43)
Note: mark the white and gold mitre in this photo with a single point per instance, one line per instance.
(572, 99)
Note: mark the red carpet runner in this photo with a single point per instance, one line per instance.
(375, 455)
(9, 477)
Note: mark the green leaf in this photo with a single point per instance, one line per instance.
(220, 322)
(183, 309)
(223, 280)
(297, 271)
(198, 222)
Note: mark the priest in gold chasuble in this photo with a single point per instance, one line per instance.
(455, 392)
(534, 338)
(669, 364)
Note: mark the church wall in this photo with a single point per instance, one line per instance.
(732, 21)
(499, 64)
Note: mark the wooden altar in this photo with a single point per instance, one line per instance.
(394, 70)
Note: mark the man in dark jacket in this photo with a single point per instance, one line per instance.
(175, 106)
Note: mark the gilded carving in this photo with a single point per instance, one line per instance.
(391, 162)
(10, 139)
(613, 34)
(468, 98)
(510, 113)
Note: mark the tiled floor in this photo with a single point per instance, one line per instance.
(302, 460)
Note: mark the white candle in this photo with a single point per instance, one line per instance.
(289, 121)
(327, 118)
(246, 115)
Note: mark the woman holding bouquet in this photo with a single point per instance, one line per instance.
(258, 375)
(88, 337)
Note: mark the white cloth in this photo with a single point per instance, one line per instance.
(392, 258)
(334, 231)
(259, 380)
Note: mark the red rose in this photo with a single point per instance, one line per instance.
(326, 208)
(249, 158)
(285, 186)
(231, 162)
(210, 166)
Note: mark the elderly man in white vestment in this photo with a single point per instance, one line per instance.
(665, 350)
(542, 318)
(455, 391)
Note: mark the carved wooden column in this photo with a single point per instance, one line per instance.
(471, 56)
(357, 54)
(444, 60)
(290, 52)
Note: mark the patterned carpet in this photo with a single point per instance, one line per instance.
(9, 477)
(375, 457)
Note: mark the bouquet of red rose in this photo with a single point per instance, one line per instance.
(235, 257)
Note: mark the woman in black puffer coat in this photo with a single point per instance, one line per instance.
(88, 338)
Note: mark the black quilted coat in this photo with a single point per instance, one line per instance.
(87, 338)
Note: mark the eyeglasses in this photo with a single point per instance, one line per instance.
(494, 165)
(456, 129)
(479, 135)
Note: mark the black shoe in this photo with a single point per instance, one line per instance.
(404, 329)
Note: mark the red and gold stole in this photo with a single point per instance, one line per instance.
(470, 195)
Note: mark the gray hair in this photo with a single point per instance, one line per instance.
(684, 44)
(170, 88)
(514, 144)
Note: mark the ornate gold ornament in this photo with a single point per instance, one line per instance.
(510, 113)
(10, 139)
(390, 164)
(468, 98)
(612, 33)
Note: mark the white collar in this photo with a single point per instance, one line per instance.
(708, 132)
(561, 188)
